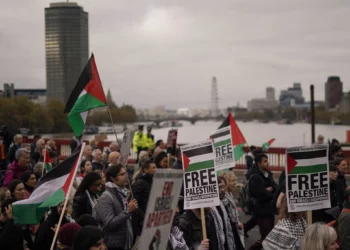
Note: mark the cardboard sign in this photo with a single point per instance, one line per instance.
(224, 155)
(172, 140)
(125, 147)
(200, 180)
(161, 208)
(307, 178)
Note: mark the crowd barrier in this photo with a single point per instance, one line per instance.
(277, 155)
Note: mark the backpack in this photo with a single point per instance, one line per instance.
(245, 199)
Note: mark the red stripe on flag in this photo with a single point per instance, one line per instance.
(94, 87)
(237, 136)
(71, 176)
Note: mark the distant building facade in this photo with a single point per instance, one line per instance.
(333, 92)
(292, 95)
(35, 95)
(344, 104)
(67, 47)
(270, 93)
(261, 104)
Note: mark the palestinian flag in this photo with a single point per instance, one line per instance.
(198, 158)
(238, 139)
(268, 144)
(47, 161)
(307, 162)
(50, 191)
(87, 94)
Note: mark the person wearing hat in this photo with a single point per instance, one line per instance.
(67, 235)
(89, 238)
(139, 141)
(150, 138)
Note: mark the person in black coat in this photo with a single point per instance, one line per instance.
(342, 168)
(11, 235)
(46, 231)
(85, 198)
(141, 189)
(326, 215)
(262, 188)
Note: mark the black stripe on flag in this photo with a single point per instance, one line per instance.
(309, 154)
(227, 132)
(225, 123)
(64, 168)
(83, 80)
(199, 151)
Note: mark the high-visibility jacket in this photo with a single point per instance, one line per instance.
(140, 141)
(150, 142)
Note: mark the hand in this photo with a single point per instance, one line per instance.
(240, 226)
(204, 245)
(132, 206)
(54, 228)
(9, 213)
(270, 189)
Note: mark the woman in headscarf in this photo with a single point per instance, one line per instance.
(46, 231)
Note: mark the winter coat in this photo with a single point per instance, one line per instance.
(14, 172)
(81, 205)
(141, 189)
(97, 166)
(258, 183)
(113, 217)
(11, 236)
(11, 154)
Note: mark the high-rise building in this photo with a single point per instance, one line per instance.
(333, 92)
(270, 93)
(67, 47)
(292, 95)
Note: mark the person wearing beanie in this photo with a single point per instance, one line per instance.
(67, 235)
(89, 238)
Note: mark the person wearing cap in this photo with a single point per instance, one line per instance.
(139, 141)
(67, 235)
(150, 138)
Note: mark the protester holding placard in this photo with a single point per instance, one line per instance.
(262, 188)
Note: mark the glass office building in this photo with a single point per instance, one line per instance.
(67, 47)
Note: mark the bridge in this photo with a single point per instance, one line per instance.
(192, 120)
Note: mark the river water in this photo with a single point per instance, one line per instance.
(297, 134)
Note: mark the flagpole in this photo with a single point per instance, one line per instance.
(67, 197)
(116, 137)
(110, 115)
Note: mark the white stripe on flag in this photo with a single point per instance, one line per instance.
(44, 191)
(312, 162)
(200, 158)
(84, 116)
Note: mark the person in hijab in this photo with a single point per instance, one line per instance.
(46, 231)
(89, 238)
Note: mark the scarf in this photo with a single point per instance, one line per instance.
(93, 203)
(286, 235)
(177, 240)
(230, 204)
(223, 228)
(122, 194)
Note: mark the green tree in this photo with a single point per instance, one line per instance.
(55, 108)
(25, 109)
(9, 115)
(289, 113)
(43, 121)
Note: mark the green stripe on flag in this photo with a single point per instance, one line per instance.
(48, 167)
(238, 151)
(265, 146)
(54, 199)
(220, 143)
(309, 169)
(28, 213)
(83, 104)
(200, 165)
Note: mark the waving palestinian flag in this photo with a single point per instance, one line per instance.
(238, 139)
(87, 94)
(47, 161)
(268, 144)
(50, 191)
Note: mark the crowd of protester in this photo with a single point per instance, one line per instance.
(108, 202)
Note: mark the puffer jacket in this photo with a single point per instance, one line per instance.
(114, 218)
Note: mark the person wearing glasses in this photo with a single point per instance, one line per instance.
(85, 199)
(113, 210)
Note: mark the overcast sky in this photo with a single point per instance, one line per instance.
(165, 52)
